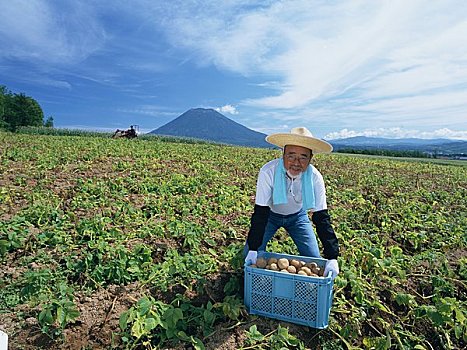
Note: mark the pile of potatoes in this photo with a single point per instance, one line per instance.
(289, 266)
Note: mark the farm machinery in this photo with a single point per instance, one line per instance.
(130, 133)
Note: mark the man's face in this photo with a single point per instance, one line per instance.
(296, 159)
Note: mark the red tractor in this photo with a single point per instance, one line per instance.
(130, 133)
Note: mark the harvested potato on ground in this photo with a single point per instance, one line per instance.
(283, 263)
(295, 263)
(261, 263)
(272, 261)
(291, 269)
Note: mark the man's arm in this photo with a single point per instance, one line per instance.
(326, 234)
(258, 222)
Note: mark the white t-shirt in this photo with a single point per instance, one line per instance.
(294, 191)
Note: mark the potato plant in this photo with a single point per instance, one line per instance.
(138, 244)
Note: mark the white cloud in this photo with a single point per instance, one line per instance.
(380, 64)
(397, 133)
(42, 31)
(390, 61)
(315, 49)
(227, 109)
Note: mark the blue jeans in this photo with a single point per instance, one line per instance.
(299, 228)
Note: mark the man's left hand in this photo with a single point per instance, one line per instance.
(333, 266)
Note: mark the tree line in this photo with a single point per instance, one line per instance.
(18, 110)
(386, 153)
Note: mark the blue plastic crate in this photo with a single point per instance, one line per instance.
(293, 298)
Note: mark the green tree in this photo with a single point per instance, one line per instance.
(3, 102)
(21, 110)
(49, 123)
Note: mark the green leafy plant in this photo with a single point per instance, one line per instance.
(167, 218)
(153, 322)
(280, 339)
(56, 315)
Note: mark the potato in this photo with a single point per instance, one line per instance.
(306, 270)
(284, 270)
(261, 263)
(295, 263)
(272, 260)
(291, 269)
(283, 263)
(316, 270)
(302, 263)
(273, 267)
(313, 275)
(311, 265)
(301, 272)
(253, 265)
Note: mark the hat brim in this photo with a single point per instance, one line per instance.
(316, 145)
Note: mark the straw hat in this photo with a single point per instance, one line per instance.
(300, 136)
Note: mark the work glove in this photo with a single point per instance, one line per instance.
(333, 266)
(251, 257)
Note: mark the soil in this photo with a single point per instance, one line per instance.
(99, 316)
(97, 326)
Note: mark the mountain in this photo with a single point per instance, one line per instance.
(208, 124)
(442, 146)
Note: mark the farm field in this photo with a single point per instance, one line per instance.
(455, 162)
(137, 244)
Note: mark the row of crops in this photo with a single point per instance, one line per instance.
(137, 244)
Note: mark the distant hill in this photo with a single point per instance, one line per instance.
(440, 146)
(208, 124)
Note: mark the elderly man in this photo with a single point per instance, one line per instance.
(286, 189)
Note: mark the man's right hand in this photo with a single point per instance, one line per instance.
(251, 257)
(331, 266)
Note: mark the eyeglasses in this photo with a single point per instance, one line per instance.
(292, 158)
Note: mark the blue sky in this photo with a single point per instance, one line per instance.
(341, 68)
